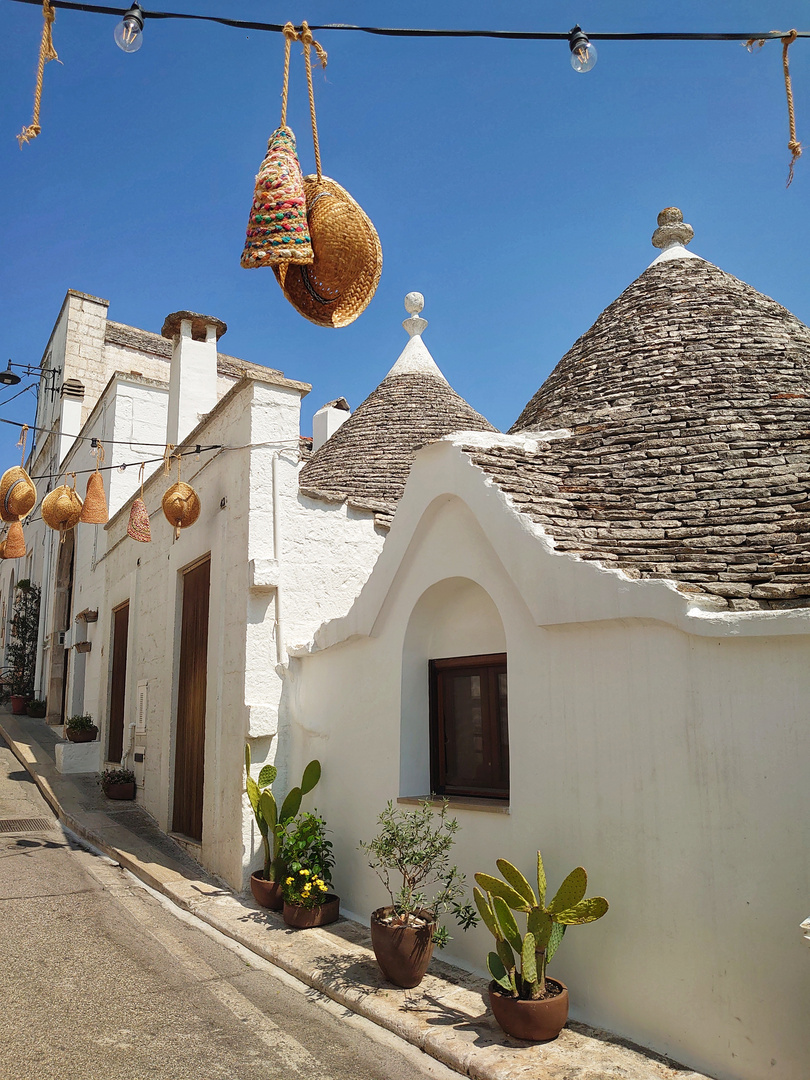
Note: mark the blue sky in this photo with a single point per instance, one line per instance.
(517, 195)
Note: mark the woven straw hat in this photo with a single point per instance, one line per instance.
(277, 228)
(138, 527)
(17, 494)
(94, 510)
(14, 544)
(346, 270)
(62, 508)
(181, 506)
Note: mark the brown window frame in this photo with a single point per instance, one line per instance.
(495, 727)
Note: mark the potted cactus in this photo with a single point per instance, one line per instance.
(265, 884)
(525, 1003)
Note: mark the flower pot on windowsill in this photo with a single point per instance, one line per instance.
(403, 950)
(18, 703)
(266, 893)
(82, 734)
(534, 1021)
(303, 918)
(83, 646)
(124, 791)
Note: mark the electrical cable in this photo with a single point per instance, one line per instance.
(514, 35)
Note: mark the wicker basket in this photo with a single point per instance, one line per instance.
(94, 510)
(181, 506)
(14, 544)
(62, 508)
(138, 527)
(277, 230)
(346, 270)
(18, 495)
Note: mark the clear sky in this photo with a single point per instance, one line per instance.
(517, 195)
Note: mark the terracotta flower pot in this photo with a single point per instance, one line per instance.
(120, 791)
(17, 704)
(266, 893)
(301, 918)
(534, 1021)
(37, 712)
(403, 952)
(82, 735)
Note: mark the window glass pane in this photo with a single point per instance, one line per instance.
(503, 724)
(464, 737)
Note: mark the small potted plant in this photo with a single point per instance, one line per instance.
(265, 884)
(37, 708)
(525, 1003)
(80, 728)
(411, 856)
(118, 783)
(306, 854)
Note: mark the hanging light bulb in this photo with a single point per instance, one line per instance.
(583, 53)
(129, 32)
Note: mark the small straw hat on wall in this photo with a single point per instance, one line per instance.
(14, 544)
(138, 527)
(181, 506)
(62, 507)
(346, 269)
(17, 494)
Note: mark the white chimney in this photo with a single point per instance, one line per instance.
(327, 420)
(193, 377)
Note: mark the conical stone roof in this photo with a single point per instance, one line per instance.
(687, 457)
(369, 457)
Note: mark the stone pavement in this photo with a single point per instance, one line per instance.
(446, 1016)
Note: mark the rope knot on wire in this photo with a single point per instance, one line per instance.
(794, 145)
(307, 39)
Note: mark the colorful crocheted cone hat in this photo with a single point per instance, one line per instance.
(14, 544)
(277, 231)
(94, 511)
(17, 494)
(138, 527)
(62, 508)
(181, 506)
(346, 269)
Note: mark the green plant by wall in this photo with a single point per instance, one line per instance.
(272, 822)
(80, 722)
(306, 854)
(21, 652)
(519, 963)
(411, 857)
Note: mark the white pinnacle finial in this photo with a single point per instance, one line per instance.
(414, 302)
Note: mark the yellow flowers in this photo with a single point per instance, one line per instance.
(289, 881)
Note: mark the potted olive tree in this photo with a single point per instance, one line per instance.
(18, 681)
(411, 857)
(525, 1003)
(265, 884)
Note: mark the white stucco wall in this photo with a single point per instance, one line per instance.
(662, 748)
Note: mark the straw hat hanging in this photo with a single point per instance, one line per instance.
(62, 507)
(277, 232)
(14, 543)
(138, 527)
(94, 511)
(347, 265)
(18, 495)
(181, 504)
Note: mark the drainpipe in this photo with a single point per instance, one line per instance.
(128, 747)
(281, 652)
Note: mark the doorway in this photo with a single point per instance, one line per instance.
(118, 682)
(189, 754)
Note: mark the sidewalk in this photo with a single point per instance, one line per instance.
(446, 1016)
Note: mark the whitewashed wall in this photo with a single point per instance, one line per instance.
(662, 748)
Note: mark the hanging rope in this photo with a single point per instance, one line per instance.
(167, 453)
(307, 39)
(46, 52)
(290, 35)
(794, 146)
(99, 455)
(21, 442)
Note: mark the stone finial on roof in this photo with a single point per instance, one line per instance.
(672, 229)
(414, 302)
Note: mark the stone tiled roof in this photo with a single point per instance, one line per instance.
(370, 455)
(687, 456)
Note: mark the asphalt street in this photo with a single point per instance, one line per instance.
(101, 978)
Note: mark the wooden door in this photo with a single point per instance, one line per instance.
(118, 681)
(189, 759)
